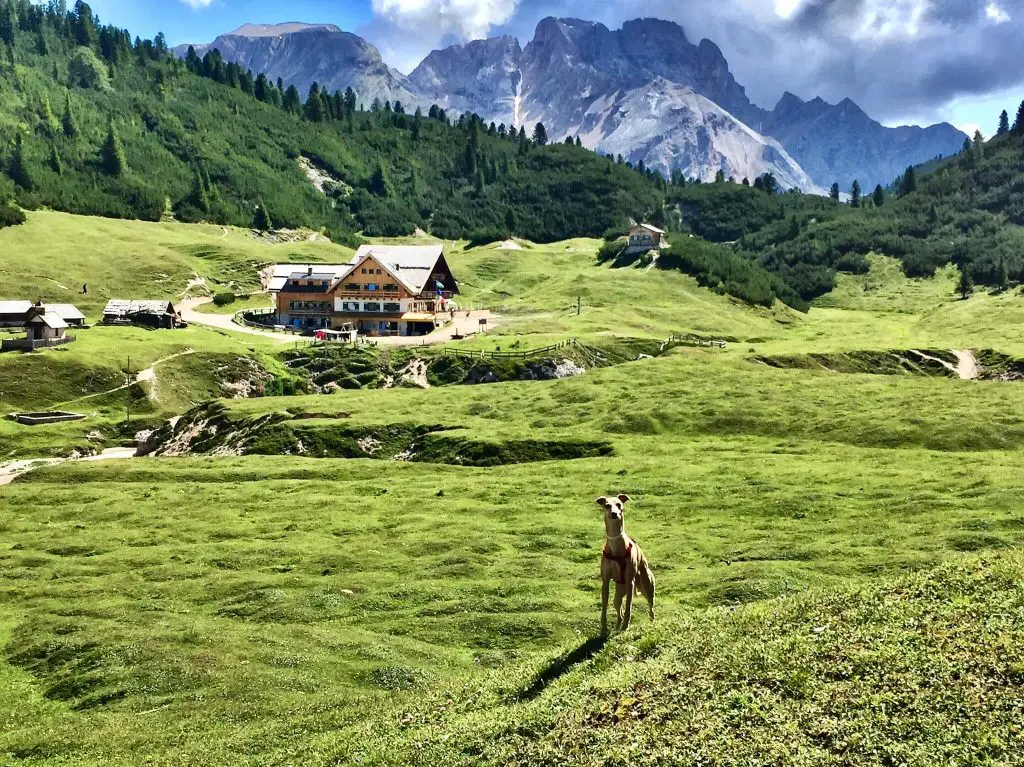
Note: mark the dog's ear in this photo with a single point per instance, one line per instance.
(601, 501)
(625, 499)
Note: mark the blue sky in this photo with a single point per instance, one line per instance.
(903, 61)
(183, 23)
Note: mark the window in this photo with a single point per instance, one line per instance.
(379, 272)
(372, 287)
(352, 287)
(392, 308)
(350, 306)
(371, 307)
(390, 288)
(363, 271)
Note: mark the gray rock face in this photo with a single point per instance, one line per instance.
(302, 54)
(840, 143)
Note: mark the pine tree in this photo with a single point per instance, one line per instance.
(1018, 124)
(46, 116)
(965, 287)
(1004, 275)
(909, 182)
(292, 101)
(979, 146)
(380, 185)
(85, 28)
(55, 164)
(19, 170)
(261, 220)
(834, 193)
(479, 182)
(578, 142)
(746, 181)
(540, 134)
(720, 176)
(112, 154)
(1004, 123)
(855, 194)
(879, 196)
(314, 105)
(199, 196)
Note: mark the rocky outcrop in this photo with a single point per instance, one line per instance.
(301, 54)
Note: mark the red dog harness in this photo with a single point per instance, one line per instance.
(622, 561)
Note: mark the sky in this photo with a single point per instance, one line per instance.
(903, 61)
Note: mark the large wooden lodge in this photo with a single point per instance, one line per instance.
(386, 290)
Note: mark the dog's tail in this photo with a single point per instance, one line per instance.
(645, 584)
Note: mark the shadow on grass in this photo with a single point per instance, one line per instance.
(561, 666)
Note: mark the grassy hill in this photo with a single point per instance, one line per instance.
(285, 609)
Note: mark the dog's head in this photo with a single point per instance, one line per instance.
(614, 509)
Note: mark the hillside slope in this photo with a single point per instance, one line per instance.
(924, 670)
(115, 128)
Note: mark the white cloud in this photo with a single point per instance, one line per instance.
(466, 19)
(996, 14)
(196, 5)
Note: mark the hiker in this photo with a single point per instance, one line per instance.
(85, 289)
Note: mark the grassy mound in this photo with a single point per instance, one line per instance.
(924, 670)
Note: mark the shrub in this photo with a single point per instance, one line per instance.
(223, 299)
(86, 71)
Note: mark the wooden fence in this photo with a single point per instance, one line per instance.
(241, 319)
(512, 355)
(691, 340)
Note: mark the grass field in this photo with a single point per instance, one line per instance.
(837, 554)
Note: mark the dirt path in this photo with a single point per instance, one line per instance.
(462, 326)
(149, 374)
(968, 368)
(11, 471)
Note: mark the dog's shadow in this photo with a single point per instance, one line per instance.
(561, 666)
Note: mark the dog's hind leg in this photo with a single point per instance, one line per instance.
(630, 589)
(645, 584)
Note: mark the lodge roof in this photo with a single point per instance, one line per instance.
(65, 311)
(49, 319)
(649, 228)
(411, 265)
(15, 307)
(119, 307)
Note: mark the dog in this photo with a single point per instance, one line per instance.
(623, 562)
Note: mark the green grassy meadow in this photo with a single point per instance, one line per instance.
(837, 555)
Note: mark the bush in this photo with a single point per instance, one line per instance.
(10, 215)
(487, 236)
(223, 299)
(86, 71)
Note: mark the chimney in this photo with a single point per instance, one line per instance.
(309, 272)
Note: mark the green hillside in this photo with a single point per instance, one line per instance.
(94, 123)
(967, 211)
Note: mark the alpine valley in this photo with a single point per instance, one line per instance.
(644, 92)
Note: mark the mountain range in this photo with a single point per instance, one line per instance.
(643, 91)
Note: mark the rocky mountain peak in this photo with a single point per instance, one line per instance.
(276, 30)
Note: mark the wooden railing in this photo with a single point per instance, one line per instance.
(691, 340)
(514, 355)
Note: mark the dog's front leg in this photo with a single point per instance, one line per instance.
(625, 619)
(619, 593)
(604, 607)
